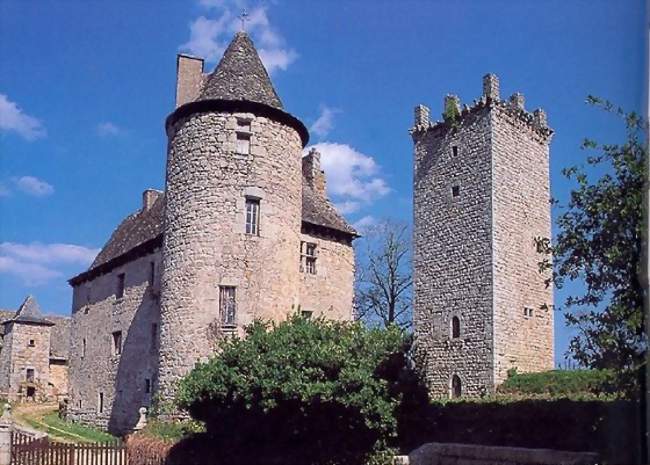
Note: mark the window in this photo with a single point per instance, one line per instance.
(29, 375)
(252, 216)
(79, 403)
(455, 327)
(454, 150)
(83, 348)
(227, 305)
(306, 313)
(117, 342)
(147, 386)
(528, 312)
(243, 137)
(32, 343)
(152, 273)
(455, 191)
(308, 257)
(100, 403)
(456, 388)
(119, 293)
(154, 336)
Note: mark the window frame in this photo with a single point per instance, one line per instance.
(228, 306)
(252, 215)
(117, 342)
(121, 286)
(308, 257)
(30, 375)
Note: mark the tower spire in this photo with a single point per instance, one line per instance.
(243, 17)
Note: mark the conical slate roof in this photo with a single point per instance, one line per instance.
(240, 75)
(30, 312)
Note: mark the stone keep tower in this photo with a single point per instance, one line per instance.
(481, 196)
(233, 212)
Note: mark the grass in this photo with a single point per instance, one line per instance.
(172, 431)
(60, 429)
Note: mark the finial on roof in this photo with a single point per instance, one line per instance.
(243, 17)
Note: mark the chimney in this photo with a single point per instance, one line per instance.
(491, 86)
(149, 197)
(422, 115)
(312, 173)
(189, 78)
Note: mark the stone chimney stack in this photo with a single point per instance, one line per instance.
(189, 78)
(491, 86)
(517, 100)
(422, 115)
(312, 172)
(149, 197)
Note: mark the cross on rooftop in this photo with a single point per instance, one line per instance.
(243, 17)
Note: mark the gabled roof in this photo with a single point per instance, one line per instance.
(240, 75)
(29, 312)
(318, 210)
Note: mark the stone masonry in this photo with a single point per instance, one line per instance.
(481, 196)
(149, 307)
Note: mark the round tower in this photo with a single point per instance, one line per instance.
(233, 209)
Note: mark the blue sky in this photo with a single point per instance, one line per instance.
(85, 87)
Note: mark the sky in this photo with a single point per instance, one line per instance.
(85, 87)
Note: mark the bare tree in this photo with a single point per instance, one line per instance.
(384, 275)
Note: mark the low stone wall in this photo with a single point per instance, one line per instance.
(467, 454)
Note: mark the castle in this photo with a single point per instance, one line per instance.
(244, 230)
(481, 197)
(33, 354)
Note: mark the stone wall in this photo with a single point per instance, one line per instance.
(452, 254)
(470, 454)
(481, 196)
(329, 292)
(205, 243)
(521, 212)
(97, 313)
(58, 378)
(23, 356)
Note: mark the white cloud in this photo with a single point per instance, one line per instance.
(33, 186)
(108, 129)
(364, 224)
(353, 178)
(325, 122)
(12, 118)
(38, 263)
(210, 37)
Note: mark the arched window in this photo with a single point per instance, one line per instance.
(456, 388)
(455, 327)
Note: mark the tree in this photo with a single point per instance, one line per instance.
(600, 241)
(384, 277)
(303, 391)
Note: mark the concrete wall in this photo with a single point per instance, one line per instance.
(205, 243)
(329, 292)
(452, 254)
(521, 212)
(120, 377)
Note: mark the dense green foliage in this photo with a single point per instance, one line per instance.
(600, 242)
(558, 383)
(171, 430)
(304, 391)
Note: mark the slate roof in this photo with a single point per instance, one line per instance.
(318, 210)
(240, 75)
(29, 312)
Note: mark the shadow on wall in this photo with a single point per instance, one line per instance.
(137, 372)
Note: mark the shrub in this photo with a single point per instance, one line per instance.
(303, 391)
(558, 383)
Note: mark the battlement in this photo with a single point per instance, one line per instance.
(454, 112)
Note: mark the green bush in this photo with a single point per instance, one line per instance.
(303, 391)
(559, 383)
